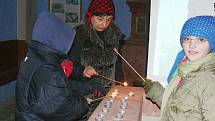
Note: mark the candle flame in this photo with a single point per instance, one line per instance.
(130, 94)
(114, 93)
(125, 84)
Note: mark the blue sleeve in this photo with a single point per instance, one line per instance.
(179, 56)
(51, 98)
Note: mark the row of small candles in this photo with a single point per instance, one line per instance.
(108, 105)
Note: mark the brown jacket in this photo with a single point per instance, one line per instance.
(195, 99)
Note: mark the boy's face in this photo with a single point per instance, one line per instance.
(100, 23)
(195, 48)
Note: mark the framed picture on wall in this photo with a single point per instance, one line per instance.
(67, 10)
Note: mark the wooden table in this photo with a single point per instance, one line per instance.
(134, 108)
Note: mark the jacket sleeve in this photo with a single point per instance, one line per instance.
(156, 93)
(51, 99)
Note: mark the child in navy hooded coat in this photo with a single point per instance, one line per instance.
(42, 90)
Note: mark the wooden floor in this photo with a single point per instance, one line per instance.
(7, 110)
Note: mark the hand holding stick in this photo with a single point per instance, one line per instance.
(93, 100)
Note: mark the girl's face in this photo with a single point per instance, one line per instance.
(195, 48)
(100, 23)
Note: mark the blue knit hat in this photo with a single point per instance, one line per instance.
(202, 27)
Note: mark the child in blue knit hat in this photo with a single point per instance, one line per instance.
(190, 94)
(207, 33)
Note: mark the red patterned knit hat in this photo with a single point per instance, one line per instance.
(100, 7)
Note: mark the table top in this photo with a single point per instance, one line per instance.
(128, 104)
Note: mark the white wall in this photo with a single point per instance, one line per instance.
(166, 20)
(26, 15)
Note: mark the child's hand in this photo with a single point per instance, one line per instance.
(89, 100)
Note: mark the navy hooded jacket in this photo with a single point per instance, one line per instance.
(42, 90)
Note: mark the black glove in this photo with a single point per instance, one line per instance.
(147, 84)
(97, 89)
(154, 90)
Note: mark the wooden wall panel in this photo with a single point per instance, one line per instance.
(11, 53)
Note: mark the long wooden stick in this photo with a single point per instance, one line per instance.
(111, 79)
(129, 64)
(100, 98)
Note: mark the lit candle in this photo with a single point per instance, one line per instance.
(130, 94)
(125, 84)
(114, 93)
